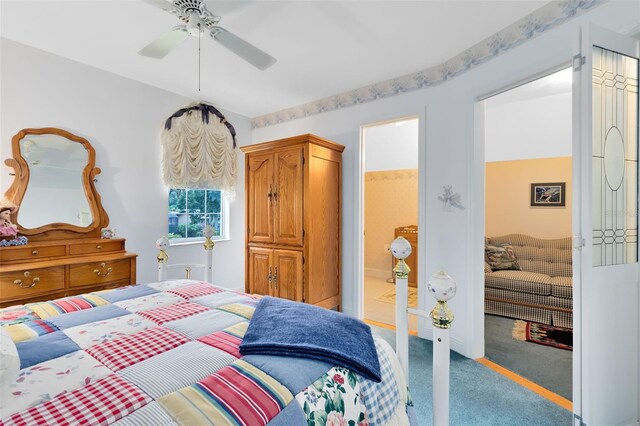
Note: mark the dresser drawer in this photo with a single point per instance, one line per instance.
(20, 284)
(31, 253)
(96, 247)
(99, 272)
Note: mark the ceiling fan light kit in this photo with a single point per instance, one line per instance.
(198, 20)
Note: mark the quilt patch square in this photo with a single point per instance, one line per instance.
(334, 397)
(239, 394)
(43, 382)
(99, 403)
(241, 309)
(29, 330)
(219, 299)
(223, 341)
(171, 284)
(86, 316)
(44, 348)
(69, 304)
(195, 290)
(122, 293)
(173, 312)
(148, 302)
(98, 332)
(198, 325)
(238, 330)
(16, 315)
(177, 368)
(151, 414)
(381, 398)
(125, 351)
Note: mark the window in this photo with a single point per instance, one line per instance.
(191, 209)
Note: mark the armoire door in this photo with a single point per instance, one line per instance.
(288, 197)
(287, 278)
(260, 191)
(260, 270)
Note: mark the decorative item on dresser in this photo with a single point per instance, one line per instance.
(293, 216)
(61, 212)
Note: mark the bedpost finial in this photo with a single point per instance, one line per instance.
(442, 287)
(162, 257)
(162, 243)
(401, 270)
(441, 315)
(208, 243)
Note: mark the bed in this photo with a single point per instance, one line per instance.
(167, 353)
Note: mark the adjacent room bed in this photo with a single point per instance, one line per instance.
(170, 353)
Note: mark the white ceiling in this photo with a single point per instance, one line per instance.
(323, 47)
(557, 83)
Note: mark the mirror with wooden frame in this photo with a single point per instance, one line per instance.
(54, 185)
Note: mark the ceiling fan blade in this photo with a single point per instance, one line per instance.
(162, 4)
(245, 50)
(160, 47)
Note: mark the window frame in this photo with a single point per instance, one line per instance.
(224, 221)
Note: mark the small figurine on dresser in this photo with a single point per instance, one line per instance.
(9, 231)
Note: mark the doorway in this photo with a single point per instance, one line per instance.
(390, 182)
(528, 276)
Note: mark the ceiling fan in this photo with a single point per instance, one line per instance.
(198, 21)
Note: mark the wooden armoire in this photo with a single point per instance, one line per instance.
(293, 191)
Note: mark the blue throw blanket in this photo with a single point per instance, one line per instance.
(285, 328)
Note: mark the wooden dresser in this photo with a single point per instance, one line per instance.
(52, 269)
(65, 254)
(293, 218)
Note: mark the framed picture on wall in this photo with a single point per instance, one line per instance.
(548, 194)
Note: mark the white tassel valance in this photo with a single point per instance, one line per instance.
(198, 150)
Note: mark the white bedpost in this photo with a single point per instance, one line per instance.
(162, 243)
(208, 247)
(442, 288)
(401, 249)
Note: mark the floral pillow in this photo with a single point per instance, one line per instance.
(501, 257)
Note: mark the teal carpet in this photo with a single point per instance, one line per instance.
(549, 367)
(479, 396)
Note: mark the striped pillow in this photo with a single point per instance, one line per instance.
(501, 257)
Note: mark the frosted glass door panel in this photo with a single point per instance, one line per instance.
(615, 158)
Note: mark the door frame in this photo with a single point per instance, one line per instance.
(477, 219)
(359, 212)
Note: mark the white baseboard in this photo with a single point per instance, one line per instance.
(382, 274)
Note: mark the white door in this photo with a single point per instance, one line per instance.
(606, 296)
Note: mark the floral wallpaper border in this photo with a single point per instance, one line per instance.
(391, 175)
(543, 19)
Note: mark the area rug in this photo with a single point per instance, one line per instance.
(389, 296)
(543, 334)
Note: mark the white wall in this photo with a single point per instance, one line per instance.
(391, 146)
(121, 118)
(453, 239)
(450, 148)
(531, 128)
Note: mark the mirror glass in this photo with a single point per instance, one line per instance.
(55, 192)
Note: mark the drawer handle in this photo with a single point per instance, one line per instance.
(101, 273)
(98, 247)
(34, 281)
(35, 252)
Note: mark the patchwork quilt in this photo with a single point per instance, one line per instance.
(166, 353)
